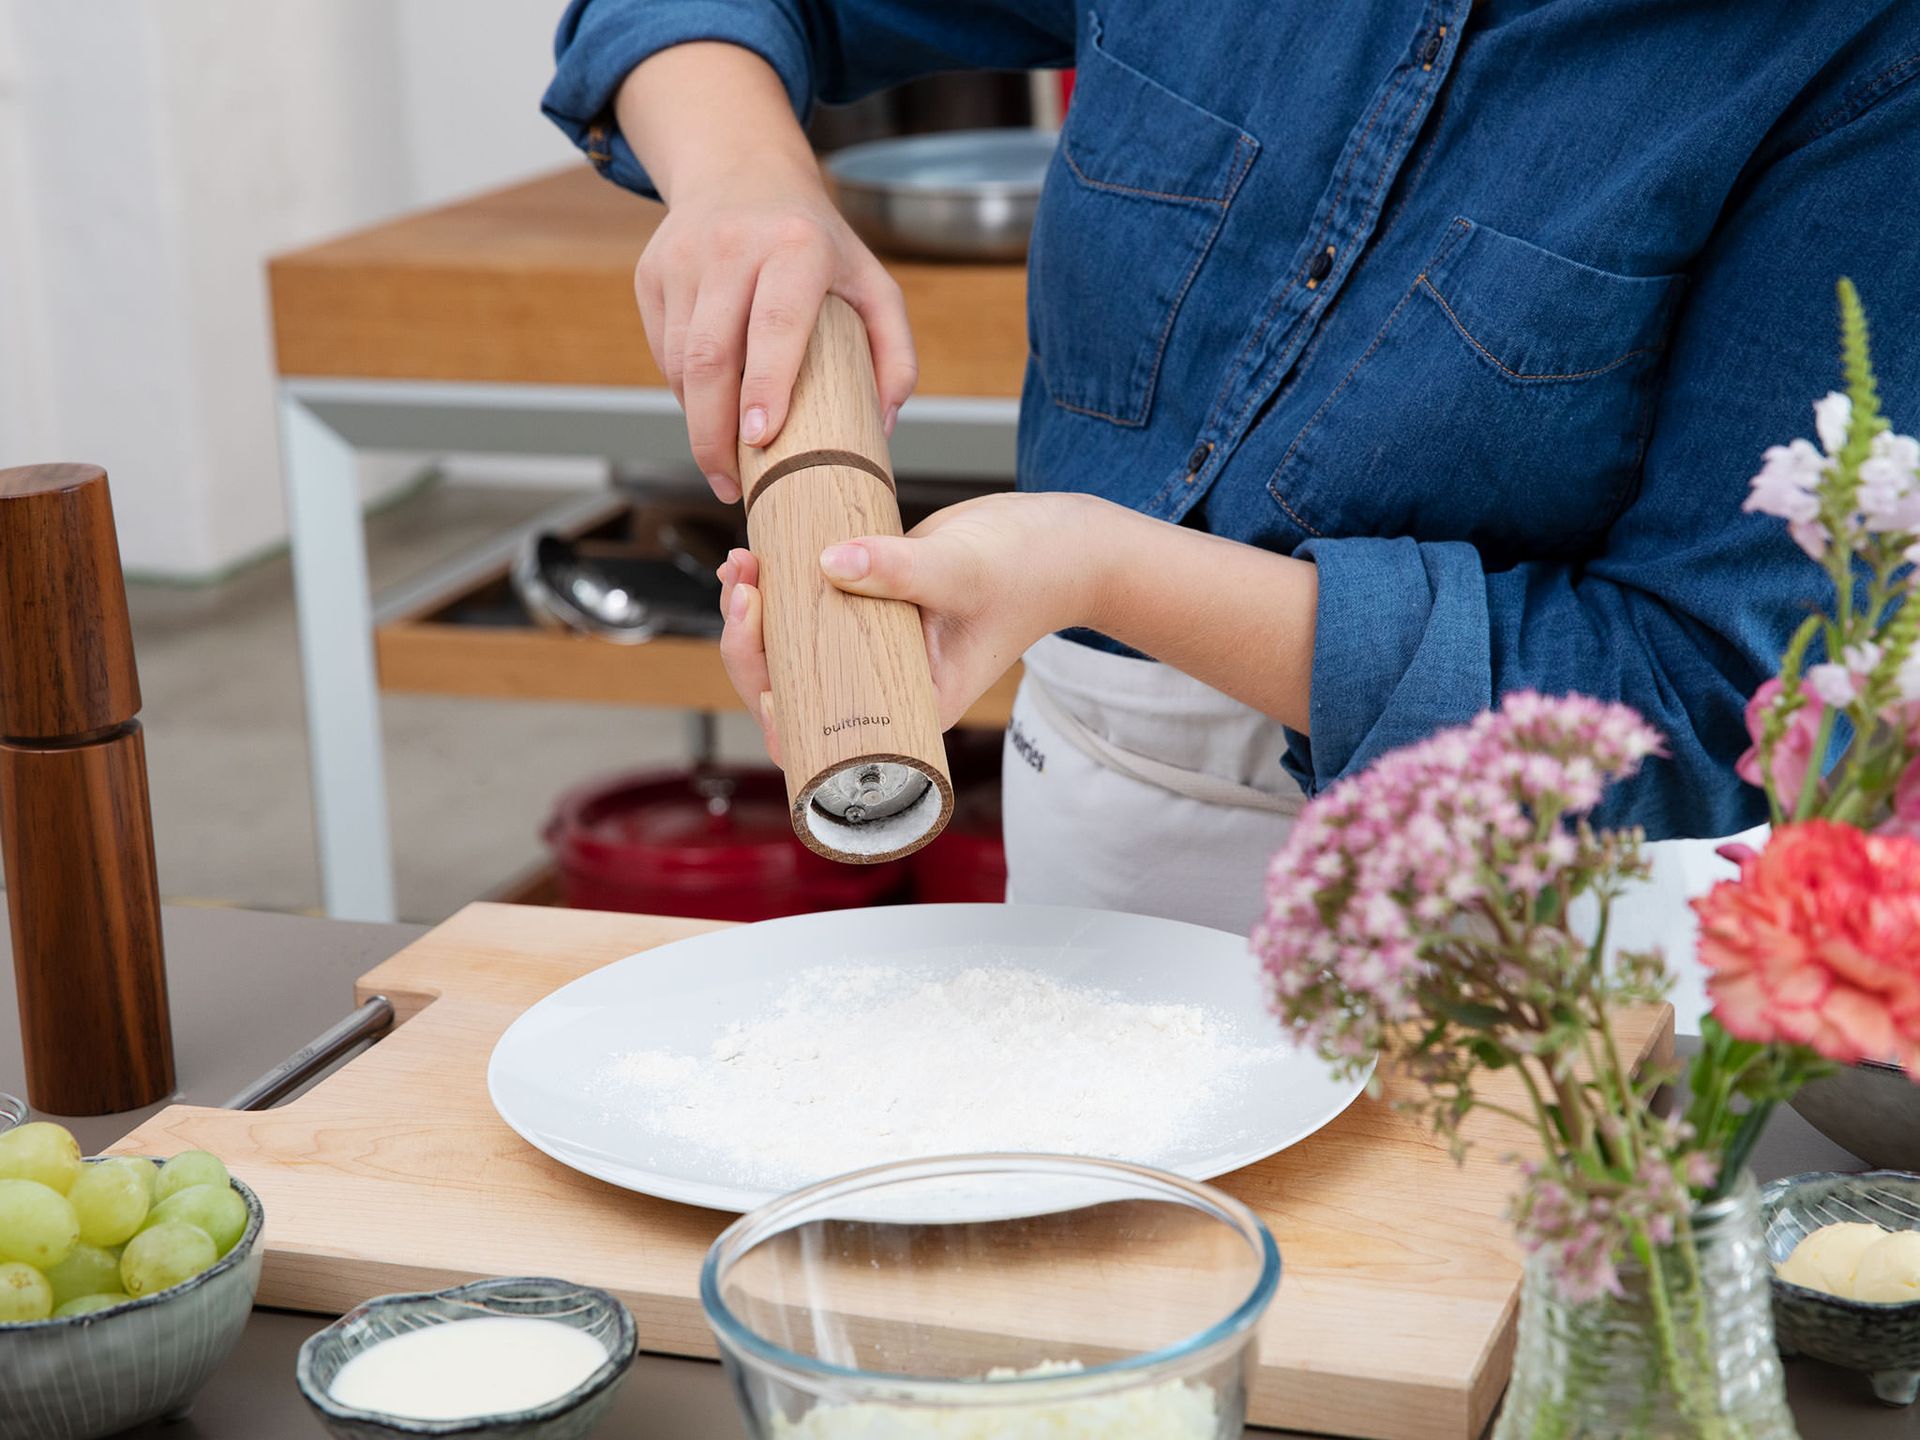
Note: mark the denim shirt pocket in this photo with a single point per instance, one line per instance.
(1506, 401)
(1137, 191)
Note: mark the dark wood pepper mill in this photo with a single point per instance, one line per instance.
(82, 894)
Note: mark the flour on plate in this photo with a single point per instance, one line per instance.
(860, 1065)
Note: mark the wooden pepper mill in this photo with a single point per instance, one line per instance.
(82, 895)
(853, 699)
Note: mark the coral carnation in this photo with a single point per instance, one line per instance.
(1818, 943)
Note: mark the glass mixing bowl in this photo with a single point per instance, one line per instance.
(991, 1295)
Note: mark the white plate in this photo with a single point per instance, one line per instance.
(545, 1074)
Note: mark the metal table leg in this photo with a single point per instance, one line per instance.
(337, 666)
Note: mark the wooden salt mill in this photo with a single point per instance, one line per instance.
(82, 896)
(853, 699)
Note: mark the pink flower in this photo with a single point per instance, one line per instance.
(1386, 863)
(1905, 819)
(1818, 943)
(1702, 1169)
(1793, 755)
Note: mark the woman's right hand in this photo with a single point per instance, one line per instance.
(729, 288)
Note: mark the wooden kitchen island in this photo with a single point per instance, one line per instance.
(506, 324)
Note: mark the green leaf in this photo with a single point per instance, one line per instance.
(1558, 1120)
(1488, 1053)
(1795, 659)
(1471, 1014)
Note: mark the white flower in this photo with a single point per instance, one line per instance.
(1912, 553)
(1907, 679)
(1788, 483)
(1832, 414)
(1834, 684)
(1811, 536)
(1890, 484)
(1863, 659)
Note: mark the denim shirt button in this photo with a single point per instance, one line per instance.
(1432, 51)
(1199, 457)
(1321, 267)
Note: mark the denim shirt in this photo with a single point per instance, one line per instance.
(1486, 309)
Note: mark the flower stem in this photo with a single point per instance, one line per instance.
(1810, 787)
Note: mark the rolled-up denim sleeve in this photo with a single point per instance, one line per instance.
(833, 50)
(1689, 604)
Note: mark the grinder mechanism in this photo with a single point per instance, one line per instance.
(853, 699)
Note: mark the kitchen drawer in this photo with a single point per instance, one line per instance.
(463, 631)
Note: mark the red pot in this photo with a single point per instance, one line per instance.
(717, 845)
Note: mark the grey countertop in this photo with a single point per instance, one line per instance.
(248, 989)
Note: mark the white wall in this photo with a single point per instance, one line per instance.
(473, 71)
(152, 156)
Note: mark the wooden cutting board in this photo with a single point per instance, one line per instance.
(1395, 1317)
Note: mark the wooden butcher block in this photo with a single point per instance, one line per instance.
(1395, 1316)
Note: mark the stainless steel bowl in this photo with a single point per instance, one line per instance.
(962, 195)
(1871, 1109)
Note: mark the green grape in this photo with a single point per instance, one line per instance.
(164, 1256)
(189, 1167)
(89, 1270)
(37, 1225)
(216, 1209)
(87, 1304)
(144, 1172)
(41, 1151)
(110, 1203)
(24, 1293)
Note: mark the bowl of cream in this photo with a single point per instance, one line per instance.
(519, 1359)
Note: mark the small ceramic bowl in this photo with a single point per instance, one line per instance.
(99, 1374)
(1883, 1340)
(568, 1417)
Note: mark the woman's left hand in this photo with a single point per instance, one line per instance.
(991, 576)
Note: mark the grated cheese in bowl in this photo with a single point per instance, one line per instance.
(1169, 1410)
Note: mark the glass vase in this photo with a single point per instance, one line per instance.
(1686, 1352)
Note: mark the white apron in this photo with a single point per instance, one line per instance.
(1129, 785)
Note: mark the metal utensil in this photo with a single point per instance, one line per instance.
(624, 598)
(962, 195)
(369, 1022)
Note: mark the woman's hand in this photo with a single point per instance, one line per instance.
(994, 575)
(729, 288)
(991, 576)
(731, 283)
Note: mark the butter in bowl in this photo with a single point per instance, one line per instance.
(1846, 1286)
(512, 1359)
